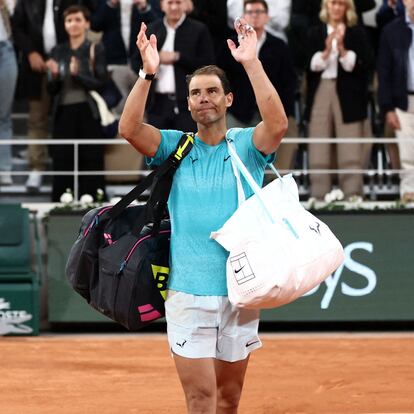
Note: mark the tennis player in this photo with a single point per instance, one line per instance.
(210, 339)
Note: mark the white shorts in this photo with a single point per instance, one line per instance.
(210, 327)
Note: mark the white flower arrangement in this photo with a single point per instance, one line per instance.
(335, 200)
(86, 201)
(335, 195)
(67, 197)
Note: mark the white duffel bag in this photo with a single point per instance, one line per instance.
(278, 250)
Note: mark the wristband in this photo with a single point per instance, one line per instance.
(146, 76)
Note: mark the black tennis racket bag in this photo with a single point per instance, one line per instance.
(120, 260)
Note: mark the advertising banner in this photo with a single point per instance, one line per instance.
(376, 280)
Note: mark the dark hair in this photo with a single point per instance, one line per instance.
(77, 9)
(262, 2)
(211, 70)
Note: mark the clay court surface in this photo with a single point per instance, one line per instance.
(110, 374)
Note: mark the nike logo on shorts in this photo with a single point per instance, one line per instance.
(251, 343)
(181, 345)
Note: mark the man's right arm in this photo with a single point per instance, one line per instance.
(143, 137)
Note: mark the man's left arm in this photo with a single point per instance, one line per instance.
(269, 132)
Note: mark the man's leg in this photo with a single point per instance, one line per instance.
(198, 379)
(230, 379)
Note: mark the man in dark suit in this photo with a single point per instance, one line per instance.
(389, 10)
(38, 25)
(277, 63)
(396, 85)
(184, 45)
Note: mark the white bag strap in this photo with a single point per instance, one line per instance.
(241, 197)
(239, 166)
(273, 168)
(255, 187)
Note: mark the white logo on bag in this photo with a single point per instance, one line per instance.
(352, 265)
(241, 268)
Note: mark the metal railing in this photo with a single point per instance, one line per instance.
(76, 143)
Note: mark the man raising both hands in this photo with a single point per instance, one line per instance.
(210, 338)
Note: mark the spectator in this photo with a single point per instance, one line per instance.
(38, 26)
(340, 61)
(184, 45)
(72, 74)
(275, 58)
(305, 14)
(279, 15)
(119, 21)
(8, 77)
(389, 10)
(396, 85)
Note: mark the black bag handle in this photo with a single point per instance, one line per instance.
(161, 179)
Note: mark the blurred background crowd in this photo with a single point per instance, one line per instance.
(343, 69)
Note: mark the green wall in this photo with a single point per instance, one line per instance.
(375, 283)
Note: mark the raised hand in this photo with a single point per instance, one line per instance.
(148, 50)
(247, 38)
(328, 46)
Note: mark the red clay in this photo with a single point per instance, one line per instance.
(135, 374)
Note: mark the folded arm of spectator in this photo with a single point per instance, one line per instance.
(347, 61)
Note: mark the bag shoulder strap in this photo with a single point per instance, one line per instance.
(169, 165)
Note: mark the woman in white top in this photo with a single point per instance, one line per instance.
(340, 62)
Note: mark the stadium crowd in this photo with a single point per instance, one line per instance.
(337, 75)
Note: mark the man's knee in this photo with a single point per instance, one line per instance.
(228, 396)
(201, 399)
